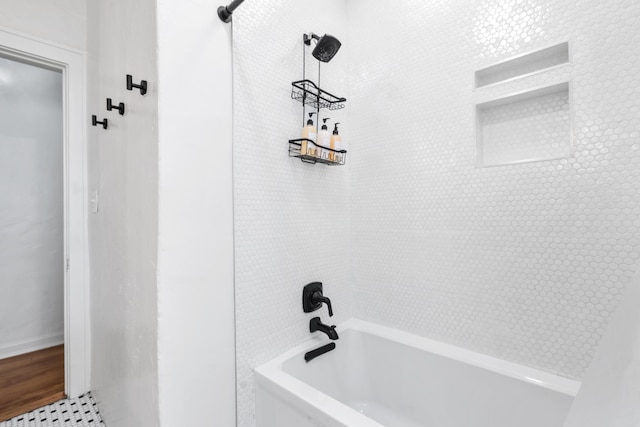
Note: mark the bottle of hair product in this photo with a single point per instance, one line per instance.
(324, 139)
(335, 144)
(308, 132)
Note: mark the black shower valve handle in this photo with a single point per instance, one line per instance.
(313, 298)
(112, 106)
(318, 297)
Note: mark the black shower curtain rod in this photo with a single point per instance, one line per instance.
(224, 12)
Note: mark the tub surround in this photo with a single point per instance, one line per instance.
(524, 263)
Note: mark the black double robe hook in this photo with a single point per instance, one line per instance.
(112, 106)
(95, 122)
(142, 86)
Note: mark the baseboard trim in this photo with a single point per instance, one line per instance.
(16, 349)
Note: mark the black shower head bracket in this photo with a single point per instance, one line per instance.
(308, 37)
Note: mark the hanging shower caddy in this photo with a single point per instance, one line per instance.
(310, 94)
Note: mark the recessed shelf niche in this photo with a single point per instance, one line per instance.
(523, 65)
(526, 127)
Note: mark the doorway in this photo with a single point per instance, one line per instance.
(32, 234)
(43, 216)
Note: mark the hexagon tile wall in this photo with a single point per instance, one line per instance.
(291, 218)
(524, 262)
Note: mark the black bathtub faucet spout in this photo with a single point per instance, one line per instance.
(316, 324)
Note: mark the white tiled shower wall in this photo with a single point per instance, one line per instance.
(291, 219)
(524, 262)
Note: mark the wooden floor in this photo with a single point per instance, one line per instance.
(30, 381)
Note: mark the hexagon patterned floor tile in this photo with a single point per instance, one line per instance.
(80, 412)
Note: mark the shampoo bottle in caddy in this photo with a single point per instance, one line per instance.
(335, 144)
(324, 139)
(308, 132)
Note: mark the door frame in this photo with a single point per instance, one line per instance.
(72, 63)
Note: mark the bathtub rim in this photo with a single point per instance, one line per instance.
(271, 375)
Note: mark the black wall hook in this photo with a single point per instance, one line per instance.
(119, 107)
(142, 86)
(95, 122)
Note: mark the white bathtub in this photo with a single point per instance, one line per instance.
(379, 376)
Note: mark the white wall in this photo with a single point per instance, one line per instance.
(291, 218)
(162, 242)
(31, 208)
(524, 262)
(124, 233)
(196, 351)
(60, 21)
